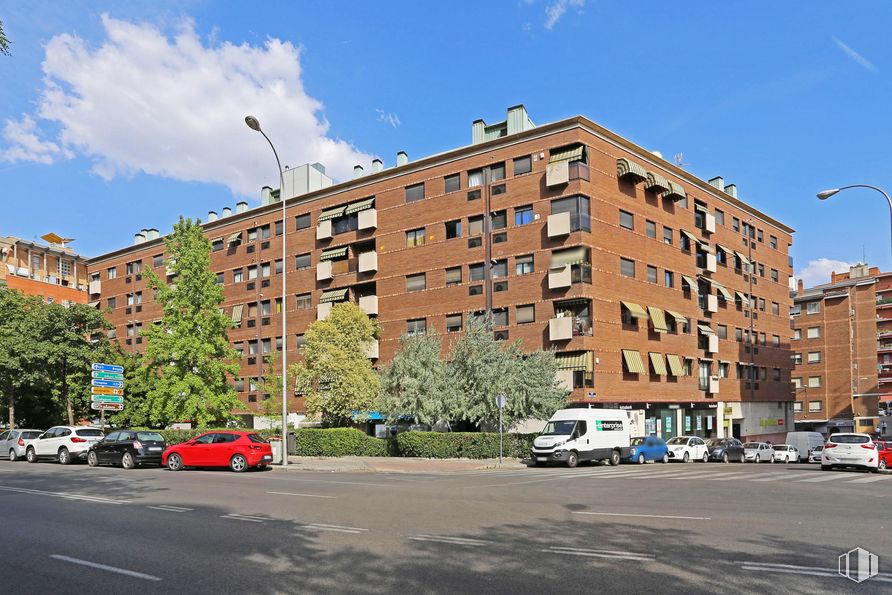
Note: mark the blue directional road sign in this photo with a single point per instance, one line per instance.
(108, 383)
(108, 368)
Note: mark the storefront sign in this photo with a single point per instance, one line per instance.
(687, 423)
(728, 410)
(700, 423)
(708, 423)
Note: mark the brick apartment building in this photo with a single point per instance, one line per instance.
(51, 271)
(636, 272)
(842, 352)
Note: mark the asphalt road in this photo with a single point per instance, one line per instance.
(673, 528)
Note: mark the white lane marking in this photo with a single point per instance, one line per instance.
(169, 508)
(691, 475)
(335, 528)
(646, 516)
(242, 517)
(820, 479)
(600, 475)
(869, 479)
(302, 495)
(771, 477)
(727, 476)
(806, 570)
(611, 554)
(125, 572)
(64, 495)
(450, 540)
(355, 483)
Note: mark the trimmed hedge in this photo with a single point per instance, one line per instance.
(340, 442)
(172, 437)
(462, 445)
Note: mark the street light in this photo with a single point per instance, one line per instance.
(824, 195)
(254, 124)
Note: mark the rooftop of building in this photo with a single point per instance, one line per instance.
(858, 274)
(56, 245)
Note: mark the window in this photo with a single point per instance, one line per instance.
(252, 272)
(453, 323)
(238, 276)
(265, 308)
(626, 220)
(220, 279)
(475, 242)
(112, 302)
(669, 278)
(453, 276)
(476, 272)
(797, 334)
(667, 235)
(761, 304)
(278, 228)
(813, 332)
(500, 317)
(416, 282)
(797, 382)
(302, 261)
(523, 165)
(795, 310)
(523, 264)
(453, 229)
(775, 308)
(157, 260)
(452, 183)
(762, 338)
(475, 225)
(759, 236)
(252, 347)
(474, 195)
(578, 207)
(414, 192)
(814, 406)
(775, 340)
(499, 219)
(724, 369)
(475, 178)
(775, 374)
(278, 305)
(301, 341)
(650, 229)
(797, 358)
(719, 217)
(525, 314)
(772, 242)
(500, 268)
(252, 310)
(814, 357)
(345, 224)
(722, 331)
(415, 237)
(266, 346)
(738, 335)
(735, 223)
(278, 268)
(523, 215)
(252, 235)
(627, 267)
(134, 268)
(303, 221)
(417, 326)
(475, 290)
(813, 307)
(264, 269)
(651, 274)
(797, 407)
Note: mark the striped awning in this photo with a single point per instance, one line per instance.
(688, 235)
(237, 312)
(573, 153)
(658, 319)
(657, 363)
(334, 295)
(334, 253)
(362, 205)
(234, 237)
(742, 258)
(675, 366)
(679, 319)
(635, 310)
(576, 255)
(656, 182)
(705, 329)
(579, 360)
(215, 240)
(691, 283)
(675, 192)
(722, 290)
(630, 169)
(632, 360)
(332, 213)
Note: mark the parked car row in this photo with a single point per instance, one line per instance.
(238, 450)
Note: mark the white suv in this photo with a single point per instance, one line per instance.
(850, 450)
(63, 443)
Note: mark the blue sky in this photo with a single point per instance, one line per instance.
(120, 115)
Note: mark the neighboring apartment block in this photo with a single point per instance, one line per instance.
(842, 351)
(50, 271)
(661, 293)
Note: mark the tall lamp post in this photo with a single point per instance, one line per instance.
(830, 192)
(254, 124)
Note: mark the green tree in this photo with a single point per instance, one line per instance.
(415, 383)
(481, 368)
(336, 375)
(271, 384)
(137, 379)
(4, 41)
(188, 357)
(21, 368)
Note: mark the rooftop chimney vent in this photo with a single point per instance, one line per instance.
(212, 216)
(402, 158)
(226, 212)
(718, 182)
(357, 171)
(731, 189)
(377, 165)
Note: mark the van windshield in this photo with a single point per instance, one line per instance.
(559, 428)
(637, 441)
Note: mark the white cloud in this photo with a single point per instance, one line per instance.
(858, 58)
(174, 107)
(817, 272)
(388, 118)
(555, 10)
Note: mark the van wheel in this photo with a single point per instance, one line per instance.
(572, 460)
(641, 459)
(614, 458)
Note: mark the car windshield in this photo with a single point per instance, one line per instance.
(256, 438)
(30, 435)
(752, 445)
(149, 436)
(90, 432)
(781, 447)
(559, 428)
(818, 448)
(849, 439)
(677, 440)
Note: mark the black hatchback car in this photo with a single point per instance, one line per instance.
(128, 448)
(725, 449)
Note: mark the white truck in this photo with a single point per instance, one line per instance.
(573, 435)
(805, 442)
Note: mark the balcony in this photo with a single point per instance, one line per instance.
(557, 173)
(369, 304)
(709, 223)
(712, 343)
(711, 263)
(884, 346)
(713, 387)
(559, 277)
(368, 261)
(372, 351)
(884, 303)
(368, 219)
(323, 230)
(712, 303)
(95, 287)
(884, 333)
(566, 327)
(323, 271)
(323, 310)
(558, 225)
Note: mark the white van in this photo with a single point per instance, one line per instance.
(573, 435)
(805, 442)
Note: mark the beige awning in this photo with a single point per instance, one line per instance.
(332, 213)
(658, 319)
(333, 254)
(234, 237)
(237, 312)
(721, 289)
(657, 363)
(635, 310)
(675, 366)
(334, 295)
(741, 296)
(742, 258)
(656, 182)
(576, 255)
(215, 240)
(582, 361)
(675, 192)
(573, 153)
(633, 362)
(629, 169)
(725, 249)
(689, 235)
(691, 283)
(679, 319)
(705, 329)
(361, 205)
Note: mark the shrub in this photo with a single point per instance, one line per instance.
(462, 445)
(339, 442)
(172, 437)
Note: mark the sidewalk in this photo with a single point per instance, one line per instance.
(394, 464)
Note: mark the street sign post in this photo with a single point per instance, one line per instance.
(108, 375)
(108, 368)
(106, 389)
(107, 383)
(101, 390)
(501, 401)
(106, 399)
(107, 407)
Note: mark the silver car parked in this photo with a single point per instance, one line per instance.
(14, 443)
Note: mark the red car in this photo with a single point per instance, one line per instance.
(233, 449)
(885, 452)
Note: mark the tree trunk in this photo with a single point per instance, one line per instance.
(67, 396)
(11, 403)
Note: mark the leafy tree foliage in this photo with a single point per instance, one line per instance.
(416, 381)
(20, 369)
(187, 356)
(271, 384)
(4, 41)
(336, 375)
